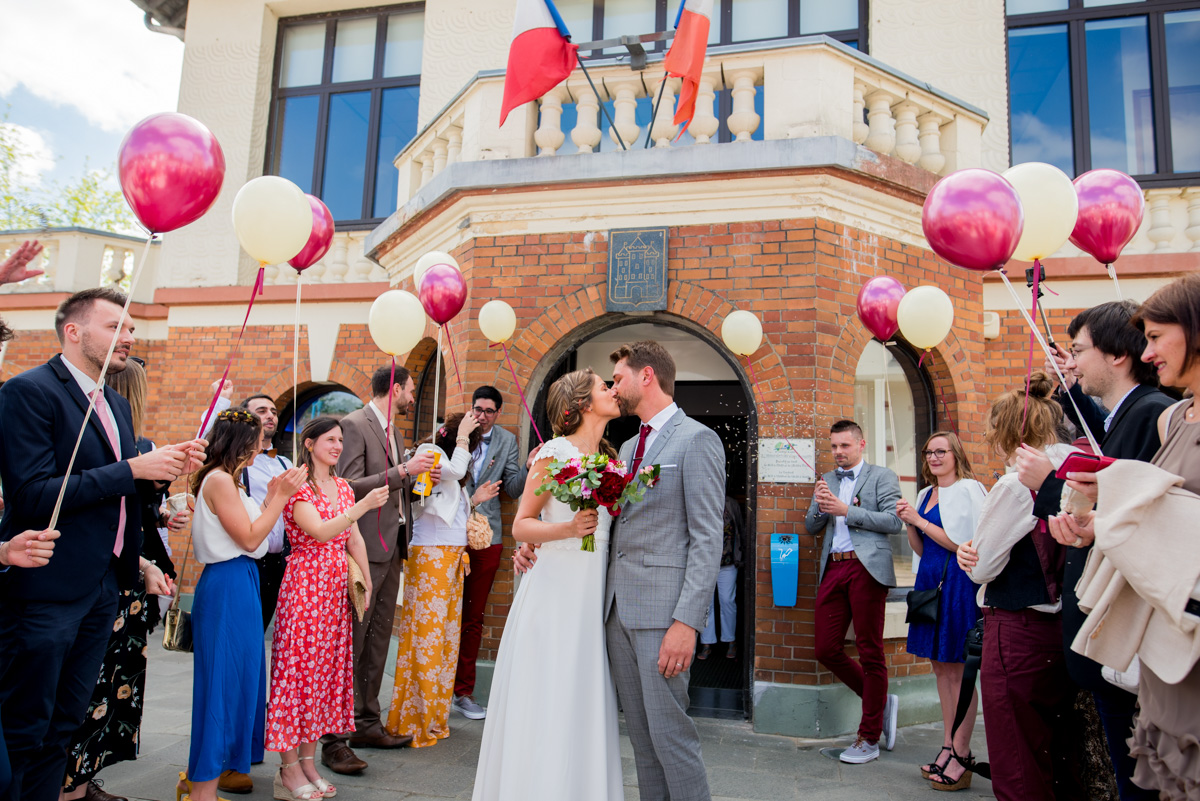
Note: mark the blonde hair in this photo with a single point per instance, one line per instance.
(566, 401)
(962, 465)
(131, 384)
(1042, 418)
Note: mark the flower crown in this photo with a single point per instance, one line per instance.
(237, 416)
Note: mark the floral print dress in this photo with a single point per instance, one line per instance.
(312, 664)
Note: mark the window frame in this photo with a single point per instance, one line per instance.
(1076, 17)
(376, 85)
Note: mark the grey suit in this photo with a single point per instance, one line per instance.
(663, 562)
(870, 521)
(503, 464)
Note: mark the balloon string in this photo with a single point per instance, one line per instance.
(387, 453)
(921, 360)
(942, 397)
(520, 391)
(887, 394)
(1037, 277)
(437, 388)
(237, 344)
(296, 364)
(1053, 364)
(454, 359)
(1112, 273)
(766, 408)
(112, 346)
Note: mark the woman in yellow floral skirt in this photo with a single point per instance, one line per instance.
(431, 618)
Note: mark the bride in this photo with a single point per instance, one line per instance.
(551, 731)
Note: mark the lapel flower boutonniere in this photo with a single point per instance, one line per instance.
(857, 501)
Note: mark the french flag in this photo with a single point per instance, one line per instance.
(685, 59)
(540, 57)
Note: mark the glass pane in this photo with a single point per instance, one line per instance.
(402, 53)
(1039, 86)
(878, 378)
(397, 126)
(297, 140)
(1120, 113)
(629, 18)
(819, 16)
(1034, 6)
(346, 155)
(759, 19)
(303, 55)
(577, 16)
(354, 50)
(1183, 82)
(1090, 3)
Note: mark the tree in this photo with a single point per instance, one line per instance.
(88, 201)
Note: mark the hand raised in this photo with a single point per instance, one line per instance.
(375, 498)
(485, 492)
(162, 464)
(16, 267)
(420, 463)
(469, 423)
(226, 388)
(291, 480)
(179, 520)
(1084, 484)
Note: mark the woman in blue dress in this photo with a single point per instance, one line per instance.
(945, 516)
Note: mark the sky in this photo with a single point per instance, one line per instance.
(75, 75)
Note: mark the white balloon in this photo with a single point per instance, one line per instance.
(926, 316)
(428, 260)
(272, 219)
(742, 332)
(396, 321)
(1050, 204)
(497, 321)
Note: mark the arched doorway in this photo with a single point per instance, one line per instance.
(314, 401)
(711, 388)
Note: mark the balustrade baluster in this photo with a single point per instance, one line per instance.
(549, 136)
(743, 120)
(586, 133)
(882, 136)
(930, 135)
(908, 148)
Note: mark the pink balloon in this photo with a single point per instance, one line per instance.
(877, 303)
(973, 219)
(442, 292)
(1111, 207)
(171, 169)
(319, 240)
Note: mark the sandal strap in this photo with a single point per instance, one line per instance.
(967, 762)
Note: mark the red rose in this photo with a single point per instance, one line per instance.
(612, 486)
(566, 474)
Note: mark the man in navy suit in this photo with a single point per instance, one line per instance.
(55, 621)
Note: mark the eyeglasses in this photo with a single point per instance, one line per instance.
(940, 453)
(1075, 350)
(479, 410)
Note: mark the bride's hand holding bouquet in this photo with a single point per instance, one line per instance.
(593, 481)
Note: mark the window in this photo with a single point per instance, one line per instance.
(734, 21)
(1106, 83)
(346, 94)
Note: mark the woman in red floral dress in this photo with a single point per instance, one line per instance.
(312, 670)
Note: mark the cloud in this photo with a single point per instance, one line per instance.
(35, 157)
(94, 55)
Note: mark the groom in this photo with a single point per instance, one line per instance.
(662, 569)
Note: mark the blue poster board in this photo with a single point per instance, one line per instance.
(785, 568)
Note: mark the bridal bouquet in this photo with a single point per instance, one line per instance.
(596, 480)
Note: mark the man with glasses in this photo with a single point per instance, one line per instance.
(1104, 362)
(497, 461)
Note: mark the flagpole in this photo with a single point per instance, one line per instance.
(654, 113)
(603, 108)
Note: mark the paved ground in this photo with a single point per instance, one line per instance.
(742, 765)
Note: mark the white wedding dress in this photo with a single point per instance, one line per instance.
(551, 730)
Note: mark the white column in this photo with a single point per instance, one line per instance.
(743, 119)
(882, 136)
(426, 160)
(549, 135)
(1161, 230)
(625, 114)
(908, 148)
(857, 123)
(663, 128)
(586, 134)
(440, 152)
(337, 267)
(453, 144)
(704, 124)
(931, 142)
(1192, 196)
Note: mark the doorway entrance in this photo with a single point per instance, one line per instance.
(710, 388)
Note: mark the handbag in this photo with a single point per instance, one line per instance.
(923, 604)
(479, 531)
(177, 624)
(357, 585)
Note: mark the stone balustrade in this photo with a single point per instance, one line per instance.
(806, 87)
(74, 259)
(1171, 224)
(345, 263)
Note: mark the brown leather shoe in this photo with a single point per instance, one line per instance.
(94, 793)
(383, 740)
(233, 782)
(340, 759)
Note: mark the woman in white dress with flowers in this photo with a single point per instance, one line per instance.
(551, 731)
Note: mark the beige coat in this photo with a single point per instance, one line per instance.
(1143, 570)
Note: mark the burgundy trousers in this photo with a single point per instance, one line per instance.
(1027, 697)
(849, 593)
(476, 588)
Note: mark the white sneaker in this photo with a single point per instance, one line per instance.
(861, 752)
(467, 707)
(891, 710)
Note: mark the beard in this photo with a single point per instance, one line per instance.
(95, 355)
(628, 404)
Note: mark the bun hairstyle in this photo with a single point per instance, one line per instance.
(566, 401)
(1043, 419)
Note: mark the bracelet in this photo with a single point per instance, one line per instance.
(463, 441)
(404, 465)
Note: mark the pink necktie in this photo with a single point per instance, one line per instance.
(105, 416)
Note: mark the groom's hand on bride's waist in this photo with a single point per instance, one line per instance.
(524, 557)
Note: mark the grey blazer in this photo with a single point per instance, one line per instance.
(665, 551)
(503, 463)
(870, 521)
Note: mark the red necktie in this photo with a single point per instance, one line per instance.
(102, 412)
(641, 448)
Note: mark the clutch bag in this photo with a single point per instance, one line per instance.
(479, 531)
(358, 588)
(177, 629)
